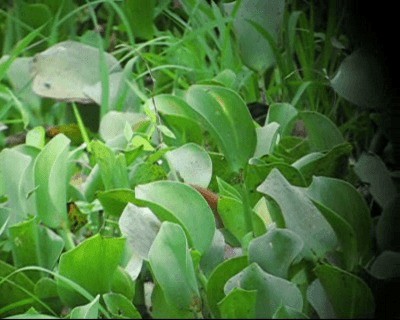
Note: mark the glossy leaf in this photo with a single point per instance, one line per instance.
(283, 114)
(114, 201)
(140, 14)
(221, 274)
(172, 266)
(386, 265)
(92, 265)
(33, 244)
(170, 200)
(275, 251)
(349, 295)
(371, 169)
(255, 50)
(140, 227)
(271, 290)
(214, 255)
(123, 284)
(266, 139)
(322, 133)
(191, 163)
(317, 297)
(300, 215)
(120, 307)
(87, 311)
(227, 118)
(238, 304)
(36, 137)
(285, 312)
(351, 207)
(359, 79)
(50, 173)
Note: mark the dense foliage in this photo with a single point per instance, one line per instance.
(189, 159)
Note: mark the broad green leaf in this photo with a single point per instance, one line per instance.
(170, 201)
(343, 199)
(13, 171)
(180, 118)
(285, 312)
(227, 118)
(112, 167)
(172, 266)
(218, 278)
(333, 163)
(33, 244)
(386, 265)
(145, 172)
(87, 311)
(322, 133)
(63, 71)
(32, 316)
(238, 304)
(283, 114)
(255, 50)
(16, 292)
(120, 307)
(214, 255)
(140, 14)
(50, 173)
(112, 126)
(232, 214)
(227, 78)
(359, 79)
(271, 290)
(92, 265)
(300, 215)
(318, 299)
(356, 301)
(161, 309)
(140, 227)
(372, 170)
(275, 251)
(36, 137)
(114, 201)
(123, 284)
(292, 148)
(225, 189)
(191, 163)
(387, 227)
(266, 139)
(46, 291)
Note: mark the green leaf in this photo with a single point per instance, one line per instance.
(36, 137)
(283, 114)
(349, 295)
(228, 120)
(266, 139)
(255, 50)
(50, 171)
(285, 312)
(87, 311)
(359, 79)
(170, 200)
(214, 255)
(222, 273)
(271, 290)
(122, 283)
(191, 163)
(318, 299)
(112, 167)
(120, 307)
(387, 227)
(14, 175)
(161, 309)
(322, 133)
(333, 163)
(372, 170)
(386, 265)
(275, 251)
(92, 265)
(145, 172)
(112, 127)
(140, 14)
(33, 244)
(300, 215)
(238, 304)
(114, 201)
(343, 199)
(140, 227)
(172, 266)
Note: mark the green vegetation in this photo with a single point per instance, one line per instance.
(191, 159)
